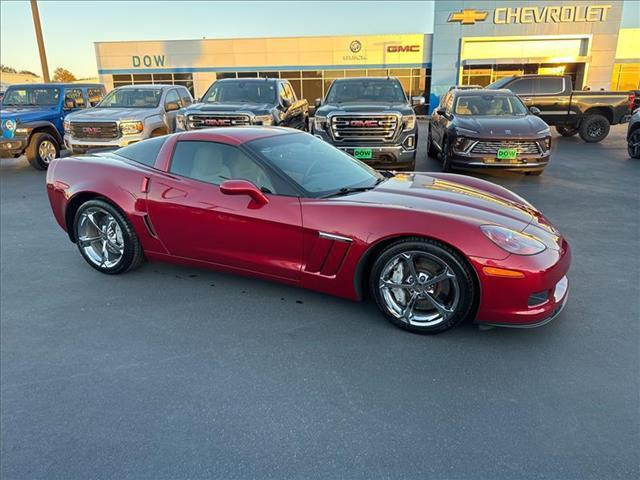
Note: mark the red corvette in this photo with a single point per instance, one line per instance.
(430, 249)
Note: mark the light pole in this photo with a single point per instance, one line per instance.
(38, 27)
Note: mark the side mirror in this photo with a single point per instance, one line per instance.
(69, 104)
(535, 110)
(286, 103)
(318, 102)
(172, 106)
(244, 187)
(417, 101)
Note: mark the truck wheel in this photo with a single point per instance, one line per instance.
(566, 131)
(41, 150)
(633, 145)
(446, 157)
(594, 128)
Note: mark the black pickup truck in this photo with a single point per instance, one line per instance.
(246, 101)
(371, 119)
(587, 113)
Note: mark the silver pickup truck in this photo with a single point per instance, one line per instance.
(126, 115)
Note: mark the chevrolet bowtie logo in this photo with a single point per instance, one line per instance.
(467, 17)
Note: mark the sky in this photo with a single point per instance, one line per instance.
(70, 28)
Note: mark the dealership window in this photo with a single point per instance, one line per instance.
(483, 75)
(184, 79)
(626, 76)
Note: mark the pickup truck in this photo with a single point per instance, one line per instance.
(235, 102)
(32, 118)
(126, 115)
(371, 119)
(587, 113)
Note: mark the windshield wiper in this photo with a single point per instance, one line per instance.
(347, 190)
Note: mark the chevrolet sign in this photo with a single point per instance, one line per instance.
(524, 15)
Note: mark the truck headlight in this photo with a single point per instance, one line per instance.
(319, 122)
(409, 122)
(67, 126)
(131, 128)
(264, 120)
(180, 122)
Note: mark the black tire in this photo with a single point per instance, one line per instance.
(534, 173)
(33, 150)
(432, 151)
(566, 131)
(445, 156)
(132, 256)
(594, 128)
(633, 144)
(455, 262)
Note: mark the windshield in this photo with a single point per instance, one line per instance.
(31, 96)
(242, 92)
(483, 104)
(132, 98)
(317, 167)
(366, 90)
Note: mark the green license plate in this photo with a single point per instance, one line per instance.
(362, 153)
(507, 153)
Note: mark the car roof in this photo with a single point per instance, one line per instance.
(150, 86)
(249, 79)
(40, 85)
(483, 91)
(234, 135)
(349, 79)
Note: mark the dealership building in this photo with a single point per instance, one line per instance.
(470, 42)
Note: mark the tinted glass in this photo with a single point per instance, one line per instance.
(483, 104)
(242, 92)
(95, 95)
(172, 97)
(185, 96)
(31, 96)
(317, 167)
(143, 152)
(525, 85)
(75, 94)
(132, 98)
(216, 162)
(366, 90)
(550, 85)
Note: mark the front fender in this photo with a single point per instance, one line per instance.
(43, 124)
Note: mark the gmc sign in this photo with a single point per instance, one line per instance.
(403, 48)
(364, 123)
(218, 122)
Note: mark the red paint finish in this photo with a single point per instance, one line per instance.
(197, 224)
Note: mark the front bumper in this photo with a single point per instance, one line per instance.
(531, 301)
(466, 159)
(399, 154)
(13, 147)
(83, 144)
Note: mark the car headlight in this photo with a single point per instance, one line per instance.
(131, 128)
(180, 121)
(264, 120)
(409, 122)
(512, 241)
(67, 126)
(9, 125)
(319, 122)
(460, 144)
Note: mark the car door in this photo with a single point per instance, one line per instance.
(195, 220)
(546, 94)
(438, 122)
(171, 107)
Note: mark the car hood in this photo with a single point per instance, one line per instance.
(27, 114)
(364, 107)
(111, 114)
(417, 191)
(255, 108)
(489, 126)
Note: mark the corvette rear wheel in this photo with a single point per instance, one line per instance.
(422, 286)
(106, 239)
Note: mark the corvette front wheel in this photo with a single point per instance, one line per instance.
(422, 286)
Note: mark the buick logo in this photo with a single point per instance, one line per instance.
(90, 130)
(364, 123)
(218, 122)
(355, 46)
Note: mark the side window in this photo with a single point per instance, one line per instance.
(171, 100)
(524, 86)
(185, 96)
(289, 92)
(448, 106)
(216, 162)
(550, 86)
(282, 94)
(143, 152)
(94, 95)
(74, 94)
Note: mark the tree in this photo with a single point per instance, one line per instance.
(62, 75)
(7, 69)
(27, 72)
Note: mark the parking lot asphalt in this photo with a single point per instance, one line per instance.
(174, 373)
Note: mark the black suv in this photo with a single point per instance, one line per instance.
(488, 129)
(371, 119)
(246, 101)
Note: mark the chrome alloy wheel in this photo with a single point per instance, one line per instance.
(46, 151)
(419, 288)
(100, 237)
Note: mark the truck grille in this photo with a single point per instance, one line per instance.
(94, 130)
(364, 127)
(489, 147)
(209, 120)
